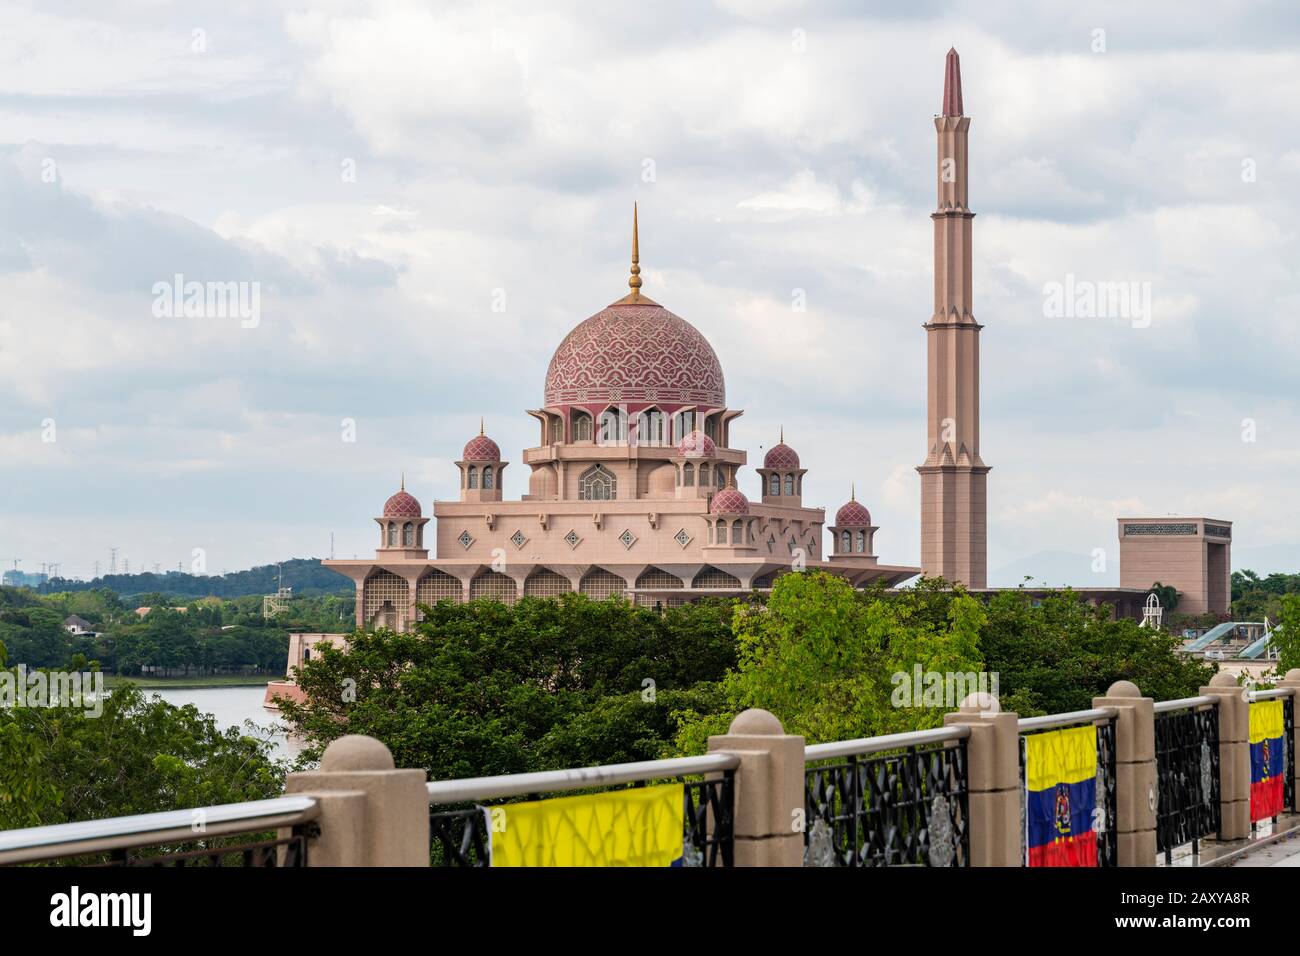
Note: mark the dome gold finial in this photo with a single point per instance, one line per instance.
(403, 479)
(480, 425)
(635, 281)
(853, 492)
(782, 434)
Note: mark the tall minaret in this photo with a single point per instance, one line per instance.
(953, 482)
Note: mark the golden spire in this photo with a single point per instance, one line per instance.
(634, 281)
(782, 434)
(853, 492)
(403, 479)
(480, 425)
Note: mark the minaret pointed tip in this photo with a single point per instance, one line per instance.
(952, 84)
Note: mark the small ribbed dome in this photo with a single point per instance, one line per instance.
(402, 505)
(730, 501)
(852, 514)
(697, 445)
(781, 457)
(481, 448)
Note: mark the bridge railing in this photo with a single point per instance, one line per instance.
(262, 833)
(464, 812)
(1166, 775)
(1188, 788)
(1101, 824)
(899, 799)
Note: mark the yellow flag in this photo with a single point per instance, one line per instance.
(639, 827)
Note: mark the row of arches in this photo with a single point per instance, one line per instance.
(853, 542)
(399, 535)
(385, 597)
(488, 481)
(652, 427)
(792, 484)
(688, 472)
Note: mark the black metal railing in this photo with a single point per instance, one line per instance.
(260, 833)
(1187, 774)
(461, 836)
(901, 808)
(1106, 815)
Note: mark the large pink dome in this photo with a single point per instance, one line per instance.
(635, 352)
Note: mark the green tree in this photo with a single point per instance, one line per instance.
(823, 658)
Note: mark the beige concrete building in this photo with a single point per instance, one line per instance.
(1192, 554)
(633, 489)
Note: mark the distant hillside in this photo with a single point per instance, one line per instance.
(305, 575)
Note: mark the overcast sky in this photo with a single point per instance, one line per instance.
(386, 171)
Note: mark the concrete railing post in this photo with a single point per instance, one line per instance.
(1234, 755)
(992, 780)
(769, 789)
(372, 814)
(1292, 680)
(1135, 773)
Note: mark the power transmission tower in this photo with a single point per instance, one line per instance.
(112, 564)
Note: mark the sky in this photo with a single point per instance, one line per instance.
(428, 196)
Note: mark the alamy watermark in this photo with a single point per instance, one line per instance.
(1085, 299)
(946, 689)
(178, 299)
(21, 688)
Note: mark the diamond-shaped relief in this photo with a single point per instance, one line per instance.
(628, 538)
(466, 539)
(518, 539)
(572, 539)
(682, 537)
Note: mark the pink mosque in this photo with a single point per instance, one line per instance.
(634, 487)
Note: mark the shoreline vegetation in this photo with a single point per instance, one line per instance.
(113, 681)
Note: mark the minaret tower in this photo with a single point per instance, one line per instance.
(953, 476)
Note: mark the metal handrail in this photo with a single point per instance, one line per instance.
(1185, 703)
(1049, 721)
(1271, 694)
(871, 745)
(468, 789)
(148, 829)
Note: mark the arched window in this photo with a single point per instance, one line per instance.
(487, 478)
(392, 535)
(846, 542)
(408, 535)
(711, 427)
(683, 425)
(789, 484)
(306, 654)
(737, 533)
(689, 471)
(773, 484)
(597, 484)
(650, 428)
(704, 474)
(613, 427)
(721, 474)
(471, 477)
(722, 532)
(862, 542)
(557, 431)
(581, 426)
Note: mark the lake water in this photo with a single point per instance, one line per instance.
(232, 707)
